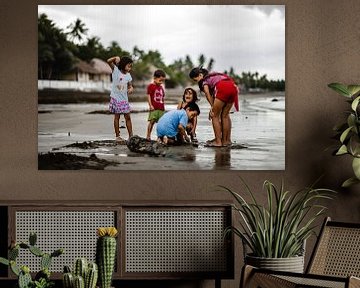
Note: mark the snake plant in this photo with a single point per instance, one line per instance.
(279, 228)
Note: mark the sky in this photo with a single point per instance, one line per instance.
(245, 37)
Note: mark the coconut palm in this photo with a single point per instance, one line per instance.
(77, 30)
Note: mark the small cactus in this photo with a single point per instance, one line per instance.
(106, 254)
(68, 280)
(84, 274)
(23, 273)
(45, 261)
(24, 277)
(32, 238)
(79, 282)
(36, 251)
(91, 275)
(81, 265)
(13, 253)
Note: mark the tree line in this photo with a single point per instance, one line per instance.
(59, 51)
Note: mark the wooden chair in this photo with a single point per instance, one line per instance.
(335, 262)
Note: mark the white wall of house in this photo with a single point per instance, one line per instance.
(99, 86)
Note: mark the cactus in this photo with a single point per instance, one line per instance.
(68, 280)
(91, 275)
(80, 267)
(32, 238)
(13, 253)
(36, 251)
(106, 254)
(45, 261)
(88, 273)
(79, 282)
(24, 278)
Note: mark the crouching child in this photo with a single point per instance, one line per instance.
(171, 128)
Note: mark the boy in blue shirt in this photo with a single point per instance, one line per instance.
(171, 127)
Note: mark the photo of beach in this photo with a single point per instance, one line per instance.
(76, 128)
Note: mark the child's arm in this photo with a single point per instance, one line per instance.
(209, 98)
(130, 87)
(179, 105)
(112, 61)
(194, 126)
(151, 107)
(182, 132)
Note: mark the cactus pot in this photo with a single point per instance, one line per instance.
(291, 264)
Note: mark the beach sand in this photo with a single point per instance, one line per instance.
(80, 136)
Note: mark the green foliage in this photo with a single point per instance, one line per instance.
(105, 259)
(348, 132)
(85, 274)
(42, 278)
(55, 52)
(279, 229)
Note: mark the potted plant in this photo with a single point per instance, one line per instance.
(42, 278)
(275, 234)
(348, 132)
(84, 274)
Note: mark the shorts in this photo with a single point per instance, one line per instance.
(119, 107)
(155, 115)
(226, 91)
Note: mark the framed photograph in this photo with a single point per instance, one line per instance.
(161, 87)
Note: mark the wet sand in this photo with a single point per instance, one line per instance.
(80, 136)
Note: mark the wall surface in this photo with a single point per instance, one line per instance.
(322, 46)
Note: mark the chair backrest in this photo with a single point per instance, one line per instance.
(337, 251)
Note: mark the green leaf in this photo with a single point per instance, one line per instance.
(351, 120)
(349, 182)
(355, 103)
(4, 261)
(356, 167)
(353, 89)
(345, 134)
(340, 88)
(342, 150)
(354, 146)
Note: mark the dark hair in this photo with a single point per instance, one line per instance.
(193, 107)
(159, 73)
(124, 60)
(196, 71)
(195, 98)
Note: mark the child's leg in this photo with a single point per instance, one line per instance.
(128, 124)
(226, 124)
(216, 119)
(149, 129)
(116, 124)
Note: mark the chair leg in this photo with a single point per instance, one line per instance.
(217, 283)
(245, 278)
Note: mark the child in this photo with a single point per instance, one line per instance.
(171, 127)
(120, 88)
(189, 96)
(221, 93)
(156, 96)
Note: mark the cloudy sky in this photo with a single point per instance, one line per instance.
(245, 37)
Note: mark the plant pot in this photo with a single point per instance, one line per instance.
(291, 264)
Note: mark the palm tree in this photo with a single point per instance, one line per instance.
(77, 30)
(210, 64)
(202, 60)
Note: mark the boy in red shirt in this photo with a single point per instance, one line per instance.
(156, 94)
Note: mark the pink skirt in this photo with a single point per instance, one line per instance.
(119, 107)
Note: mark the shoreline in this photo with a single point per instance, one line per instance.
(75, 136)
